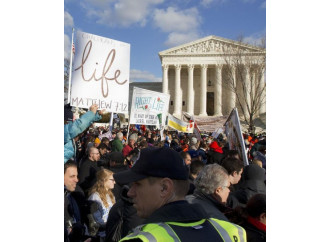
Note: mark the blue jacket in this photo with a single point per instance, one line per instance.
(72, 129)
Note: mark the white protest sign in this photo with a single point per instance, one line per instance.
(146, 105)
(216, 133)
(100, 73)
(234, 135)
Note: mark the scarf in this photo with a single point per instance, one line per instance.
(256, 223)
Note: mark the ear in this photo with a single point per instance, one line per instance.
(216, 193)
(262, 218)
(166, 186)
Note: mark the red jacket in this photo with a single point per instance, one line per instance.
(214, 146)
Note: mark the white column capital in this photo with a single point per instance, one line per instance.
(165, 67)
(177, 67)
(191, 66)
(204, 66)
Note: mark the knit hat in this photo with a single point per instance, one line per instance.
(97, 141)
(155, 162)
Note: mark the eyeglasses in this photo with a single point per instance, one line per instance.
(112, 179)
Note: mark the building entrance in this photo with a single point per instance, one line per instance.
(210, 104)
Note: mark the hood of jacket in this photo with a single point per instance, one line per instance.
(214, 146)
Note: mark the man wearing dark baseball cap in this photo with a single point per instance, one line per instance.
(158, 185)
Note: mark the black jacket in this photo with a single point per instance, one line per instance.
(213, 208)
(87, 174)
(122, 208)
(72, 218)
(254, 234)
(214, 157)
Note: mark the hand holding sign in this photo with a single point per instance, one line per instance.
(94, 108)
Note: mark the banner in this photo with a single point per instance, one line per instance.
(234, 135)
(147, 106)
(180, 125)
(100, 73)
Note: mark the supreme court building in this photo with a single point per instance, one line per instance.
(194, 74)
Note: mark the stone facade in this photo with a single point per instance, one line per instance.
(194, 75)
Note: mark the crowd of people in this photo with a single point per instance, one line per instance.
(132, 185)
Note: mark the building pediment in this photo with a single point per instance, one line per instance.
(210, 45)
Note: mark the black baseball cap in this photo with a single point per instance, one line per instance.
(155, 162)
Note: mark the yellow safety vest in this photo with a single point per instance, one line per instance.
(162, 232)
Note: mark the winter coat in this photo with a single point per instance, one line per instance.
(73, 129)
(213, 208)
(101, 213)
(215, 154)
(87, 174)
(260, 156)
(253, 182)
(122, 208)
(117, 145)
(126, 150)
(202, 153)
(254, 234)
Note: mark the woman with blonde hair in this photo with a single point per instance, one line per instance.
(102, 195)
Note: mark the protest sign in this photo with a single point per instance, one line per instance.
(100, 73)
(180, 125)
(147, 106)
(234, 135)
(216, 133)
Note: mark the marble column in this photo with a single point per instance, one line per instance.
(177, 92)
(232, 102)
(190, 99)
(218, 91)
(203, 91)
(165, 78)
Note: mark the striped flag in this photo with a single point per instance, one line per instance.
(73, 49)
(180, 125)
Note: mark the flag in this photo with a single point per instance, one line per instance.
(197, 132)
(73, 49)
(180, 125)
(190, 118)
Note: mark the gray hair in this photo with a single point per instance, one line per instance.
(119, 135)
(210, 178)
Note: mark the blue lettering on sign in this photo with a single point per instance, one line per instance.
(139, 101)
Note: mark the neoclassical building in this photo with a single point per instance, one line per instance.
(195, 74)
